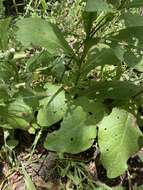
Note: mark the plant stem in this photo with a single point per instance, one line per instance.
(15, 6)
(38, 136)
(80, 64)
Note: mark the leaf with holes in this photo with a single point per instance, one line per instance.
(96, 110)
(118, 139)
(76, 134)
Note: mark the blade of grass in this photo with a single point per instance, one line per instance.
(28, 181)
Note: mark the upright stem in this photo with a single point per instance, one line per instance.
(81, 60)
(15, 6)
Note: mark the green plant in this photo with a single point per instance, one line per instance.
(81, 84)
(1, 9)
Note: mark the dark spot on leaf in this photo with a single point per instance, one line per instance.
(105, 129)
(118, 117)
(81, 88)
(90, 113)
(76, 96)
(36, 113)
(71, 139)
(107, 149)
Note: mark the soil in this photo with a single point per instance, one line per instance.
(42, 167)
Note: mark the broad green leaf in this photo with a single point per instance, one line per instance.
(118, 139)
(101, 55)
(111, 89)
(29, 97)
(132, 20)
(134, 60)
(19, 114)
(4, 36)
(53, 107)
(129, 37)
(96, 110)
(118, 50)
(98, 6)
(41, 33)
(75, 135)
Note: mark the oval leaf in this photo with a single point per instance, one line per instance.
(39, 32)
(118, 139)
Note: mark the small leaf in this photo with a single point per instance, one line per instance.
(12, 143)
(134, 60)
(119, 138)
(54, 111)
(19, 114)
